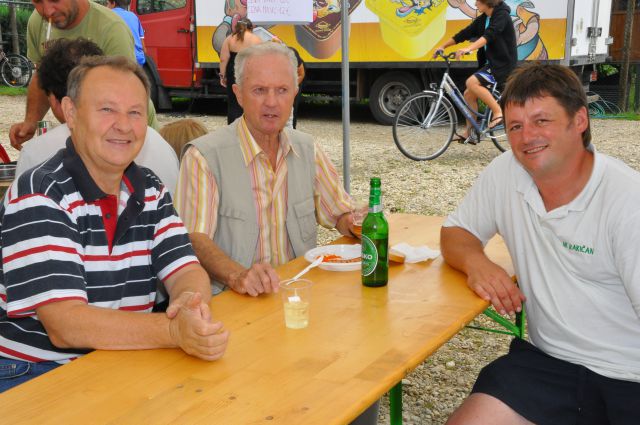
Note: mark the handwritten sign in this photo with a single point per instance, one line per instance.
(280, 11)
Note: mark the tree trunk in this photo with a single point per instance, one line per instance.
(13, 22)
(626, 56)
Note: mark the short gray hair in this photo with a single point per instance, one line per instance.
(119, 63)
(264, 49)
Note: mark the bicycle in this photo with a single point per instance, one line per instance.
(425, 124)
(16, 69)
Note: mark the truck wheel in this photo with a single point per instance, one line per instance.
(388, 92)
(153, 88)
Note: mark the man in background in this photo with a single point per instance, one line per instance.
(61, 57)
(121, 7)
(53, 19)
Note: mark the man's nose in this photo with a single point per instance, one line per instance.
(271, 97)
(529, 131)
(122, 122)
(48, 9)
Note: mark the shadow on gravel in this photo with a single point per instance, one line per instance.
(310, 108)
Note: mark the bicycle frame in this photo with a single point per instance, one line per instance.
(449, 87)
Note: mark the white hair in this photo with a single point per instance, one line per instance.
(265, 49)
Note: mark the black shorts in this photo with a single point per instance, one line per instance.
(485, 76)
(549, 391)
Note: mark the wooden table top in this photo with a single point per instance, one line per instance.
(360, 342)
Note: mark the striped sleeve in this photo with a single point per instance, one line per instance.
(331, 199)
(171, 248)
(42, 256)
(197, 194)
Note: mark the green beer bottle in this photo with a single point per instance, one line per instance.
(375, 240)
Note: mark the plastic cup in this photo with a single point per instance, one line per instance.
(359, 212)
(296, 296)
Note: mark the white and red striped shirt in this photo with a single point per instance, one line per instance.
(63, 238)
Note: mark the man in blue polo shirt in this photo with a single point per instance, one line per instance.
(121, 7)
(86, 237)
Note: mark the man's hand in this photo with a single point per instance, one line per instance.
(260, 278)
(196, 335)
(182, 300)
(21, 132)
(493, 284)
(439, 50)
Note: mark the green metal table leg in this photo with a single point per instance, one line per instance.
(395, 404)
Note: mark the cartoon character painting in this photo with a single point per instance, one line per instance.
(234, 10)
(525, 22)
(408, 7)
(322, 8)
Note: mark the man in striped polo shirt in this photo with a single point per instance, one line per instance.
(86, 237)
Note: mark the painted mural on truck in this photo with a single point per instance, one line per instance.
(387, 30)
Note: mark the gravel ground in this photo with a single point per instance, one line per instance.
(436, 387)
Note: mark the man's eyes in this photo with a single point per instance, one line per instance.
(264, 90)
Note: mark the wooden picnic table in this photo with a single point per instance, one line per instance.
(359, 343)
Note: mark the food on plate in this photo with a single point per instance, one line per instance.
(334, 258)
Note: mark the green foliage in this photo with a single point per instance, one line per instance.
(606, 69)
(22, 17)
(12, 91)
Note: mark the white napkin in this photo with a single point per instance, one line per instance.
(414, 254)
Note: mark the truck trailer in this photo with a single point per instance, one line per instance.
(391, 43)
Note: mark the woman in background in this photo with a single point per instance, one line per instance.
(179, 133)
(241, 38)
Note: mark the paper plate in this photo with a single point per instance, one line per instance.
(345, 251)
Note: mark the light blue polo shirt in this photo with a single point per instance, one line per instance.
(134, 24)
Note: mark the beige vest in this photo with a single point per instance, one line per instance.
(237, 229)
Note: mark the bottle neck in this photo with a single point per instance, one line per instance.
(375, 201)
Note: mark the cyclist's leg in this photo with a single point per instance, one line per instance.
(483, 80)
(471, 98)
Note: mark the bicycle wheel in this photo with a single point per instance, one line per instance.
(499, 135)
(16, 70)
(423, 128)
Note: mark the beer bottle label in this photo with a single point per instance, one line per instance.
(369, 256)
(375, 208)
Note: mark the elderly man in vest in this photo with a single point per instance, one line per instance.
(251, 194)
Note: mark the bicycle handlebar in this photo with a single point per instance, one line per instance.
(446, 57)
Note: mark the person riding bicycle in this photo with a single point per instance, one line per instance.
(495, 41)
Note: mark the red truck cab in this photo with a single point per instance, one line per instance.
(170, 43)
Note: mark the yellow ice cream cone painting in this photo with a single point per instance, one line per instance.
(411, 27)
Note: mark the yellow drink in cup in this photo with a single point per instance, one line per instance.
(412, 27)
(296, 296)
(296, 314)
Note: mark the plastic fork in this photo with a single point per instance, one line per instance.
(315, 263)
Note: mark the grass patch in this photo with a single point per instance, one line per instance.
(12, 91)
(629, 116)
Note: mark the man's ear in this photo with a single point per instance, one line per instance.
(238, 93)
(69, 111)
(581, 119)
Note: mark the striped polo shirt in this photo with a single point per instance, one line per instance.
(63, 238)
